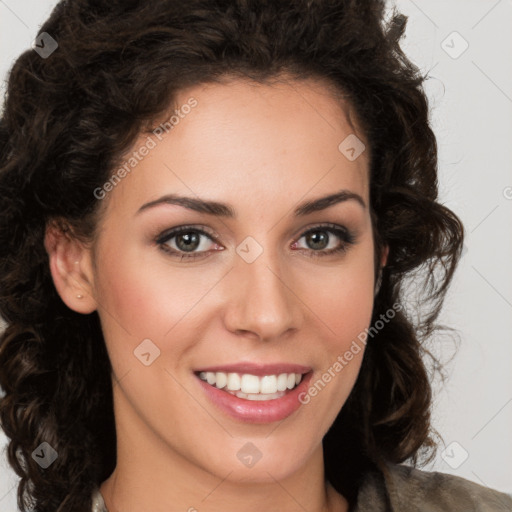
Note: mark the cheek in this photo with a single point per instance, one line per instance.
(345, 309)
(143, 297)
(146, 296)
(343, 299)
(343, 305)
(348, 306)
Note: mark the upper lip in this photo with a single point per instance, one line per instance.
(257, 369)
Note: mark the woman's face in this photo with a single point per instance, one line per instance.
(249, 293)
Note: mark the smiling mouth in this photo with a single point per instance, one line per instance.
(252, 387)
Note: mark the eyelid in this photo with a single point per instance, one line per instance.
(323, 225)
(164, 236)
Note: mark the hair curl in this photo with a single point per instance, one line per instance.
(66, 122)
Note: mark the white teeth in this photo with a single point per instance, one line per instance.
(233, 380)
(282, 380)
(221, 379)
(263, 397)
(259, 396)
(251, 386)
(268, 384)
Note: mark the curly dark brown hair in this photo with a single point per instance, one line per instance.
(66, 122)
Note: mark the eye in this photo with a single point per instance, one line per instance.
(321, 243)
(181, 242)
(189, 242)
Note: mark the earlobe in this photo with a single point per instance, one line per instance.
(71, 269)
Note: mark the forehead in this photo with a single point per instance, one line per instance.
(277, 140)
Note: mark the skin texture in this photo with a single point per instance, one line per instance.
(263, 149)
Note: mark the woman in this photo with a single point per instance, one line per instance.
(208, 212)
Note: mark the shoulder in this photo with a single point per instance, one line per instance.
(404, 488)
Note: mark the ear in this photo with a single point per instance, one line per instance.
(384, 257)
(71, 268)
(383, 262)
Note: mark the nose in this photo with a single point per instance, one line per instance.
(261, 300)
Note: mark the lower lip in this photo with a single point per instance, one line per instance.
(257, 411)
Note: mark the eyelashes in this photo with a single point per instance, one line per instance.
(187, 239)
(189, 235)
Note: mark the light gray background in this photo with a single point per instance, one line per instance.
(471, 103)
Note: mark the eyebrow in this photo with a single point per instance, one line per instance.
(227, 211)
